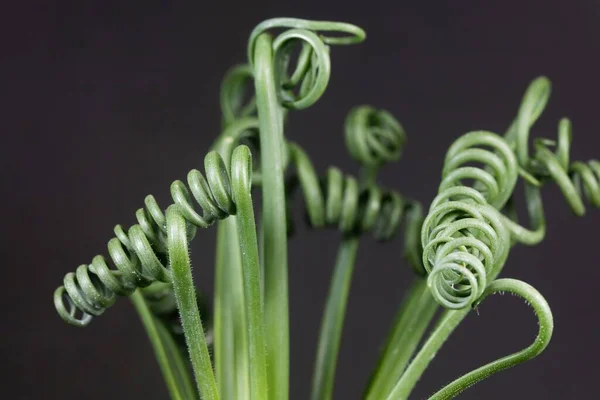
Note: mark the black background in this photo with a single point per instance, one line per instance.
(104, 103)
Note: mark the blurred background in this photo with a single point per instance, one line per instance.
(106, 102)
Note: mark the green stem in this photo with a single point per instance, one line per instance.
(181, 367)
(231, 336)
(241, 186)
(230, 333)
(274, 235)
(185, 294)
(367, 175)
(414, 316)
(167, 354)
(333, 320)
(448, 322)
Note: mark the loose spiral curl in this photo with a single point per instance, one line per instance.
(577, 180)
(310, 76)
(465, 242)
(139, 256)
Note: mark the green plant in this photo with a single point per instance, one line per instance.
(457, 250)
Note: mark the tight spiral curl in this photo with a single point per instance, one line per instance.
(465, 242)
(374, 137)
(140, 254)
(458, 254)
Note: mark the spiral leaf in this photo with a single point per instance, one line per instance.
(577, 180)
(139, 256)
(309, 77)
(338, 201)
(464, 239)
(374, 137)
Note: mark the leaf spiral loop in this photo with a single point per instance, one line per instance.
(139, 255)
(338, 200)
(308, 79)
(578, 181)
(464, 240)
(374, 137)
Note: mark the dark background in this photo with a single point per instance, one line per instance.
(104, 103)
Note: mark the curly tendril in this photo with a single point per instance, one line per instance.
(311, 73)
(577, 180)
(279, 88)
(464, 240)
(374, 137)
(461, 246)
(339, 201)
(347, 33)
(139, 256)
(469, 253)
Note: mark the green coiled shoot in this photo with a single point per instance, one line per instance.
(457, 250)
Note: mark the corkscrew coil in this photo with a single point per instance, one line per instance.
(139, 256)
(457, 249)
(464, 239)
